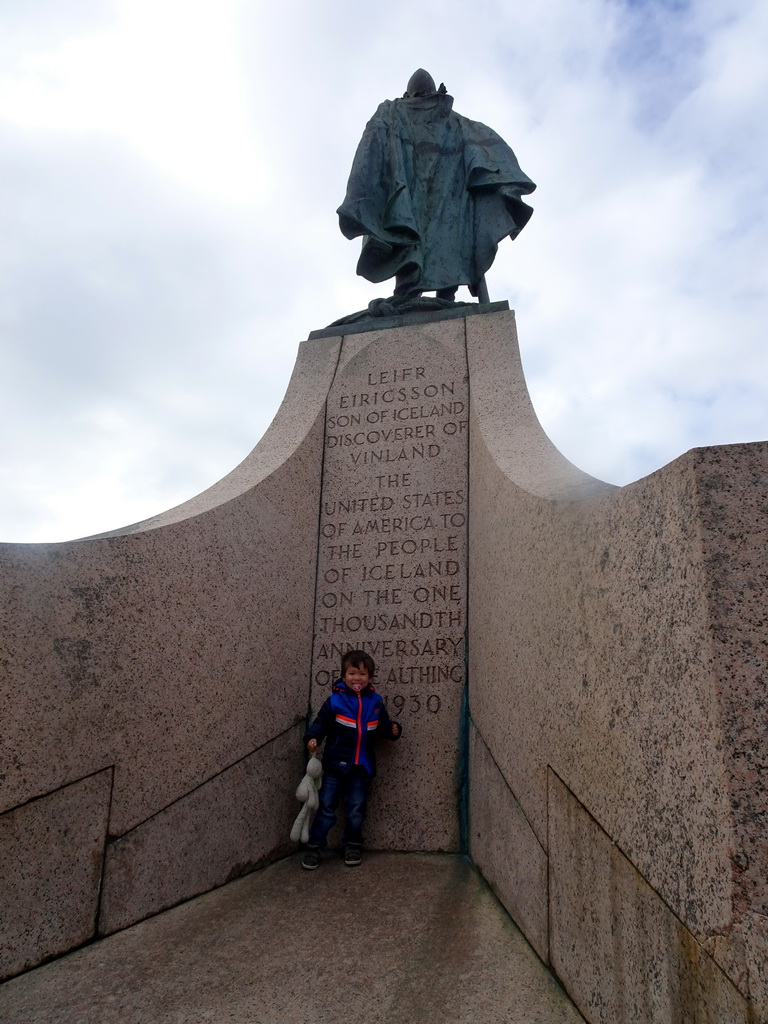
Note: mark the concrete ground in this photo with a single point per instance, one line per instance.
(403, 939)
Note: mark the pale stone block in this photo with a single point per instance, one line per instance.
(616, 946)
(223, 829)
(134, 649)
(590, 632)
(504, 846)
(392, 563)
(731, 488)
(617, 635)
(51, 854)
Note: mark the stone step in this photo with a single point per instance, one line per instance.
(403, 938)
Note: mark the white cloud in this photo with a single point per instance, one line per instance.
(162, 76)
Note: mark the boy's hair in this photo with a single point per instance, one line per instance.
(358, 659)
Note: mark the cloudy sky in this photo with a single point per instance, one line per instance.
(169, 174)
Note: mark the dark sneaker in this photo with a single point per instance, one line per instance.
(353, 855)
(311, 858)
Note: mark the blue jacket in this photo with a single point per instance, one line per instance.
(351, 723)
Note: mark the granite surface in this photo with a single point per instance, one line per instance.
(732, 492)
(223, 829)
(614, 638)
(619, 636)
(590, 651)
(504, 847)
(51, 854)
(170, 650)
(617, 947)
(392, 573)
(403, 939)
(134, 650)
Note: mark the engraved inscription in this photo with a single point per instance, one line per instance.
(393, 519)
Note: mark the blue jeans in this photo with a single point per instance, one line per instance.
(354, 788)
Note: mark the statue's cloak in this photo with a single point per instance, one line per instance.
(434, 193)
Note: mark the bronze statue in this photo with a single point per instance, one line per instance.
(433, 193)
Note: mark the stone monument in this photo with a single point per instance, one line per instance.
(579, 670)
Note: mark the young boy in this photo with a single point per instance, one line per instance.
(351, 718)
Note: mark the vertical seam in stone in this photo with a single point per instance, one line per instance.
(105, 844)
(465, 809)
(317, 545)
(548, 889)
(481, 739)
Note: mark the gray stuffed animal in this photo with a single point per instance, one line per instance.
(307, 793)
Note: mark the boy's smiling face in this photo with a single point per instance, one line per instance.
(356, 678)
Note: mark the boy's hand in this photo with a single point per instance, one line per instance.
(395, 729)
(312, 746)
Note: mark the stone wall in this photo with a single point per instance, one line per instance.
(611, 641)
(153, 693)
(617, 639)
(392, 567)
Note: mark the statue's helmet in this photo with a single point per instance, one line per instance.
(421, 83)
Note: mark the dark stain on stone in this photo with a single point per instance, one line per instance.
(76, 656)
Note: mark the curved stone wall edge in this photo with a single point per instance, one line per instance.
(132, 650)
(590, 647)
(505, 416)
(304, 398)
(168, 658)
